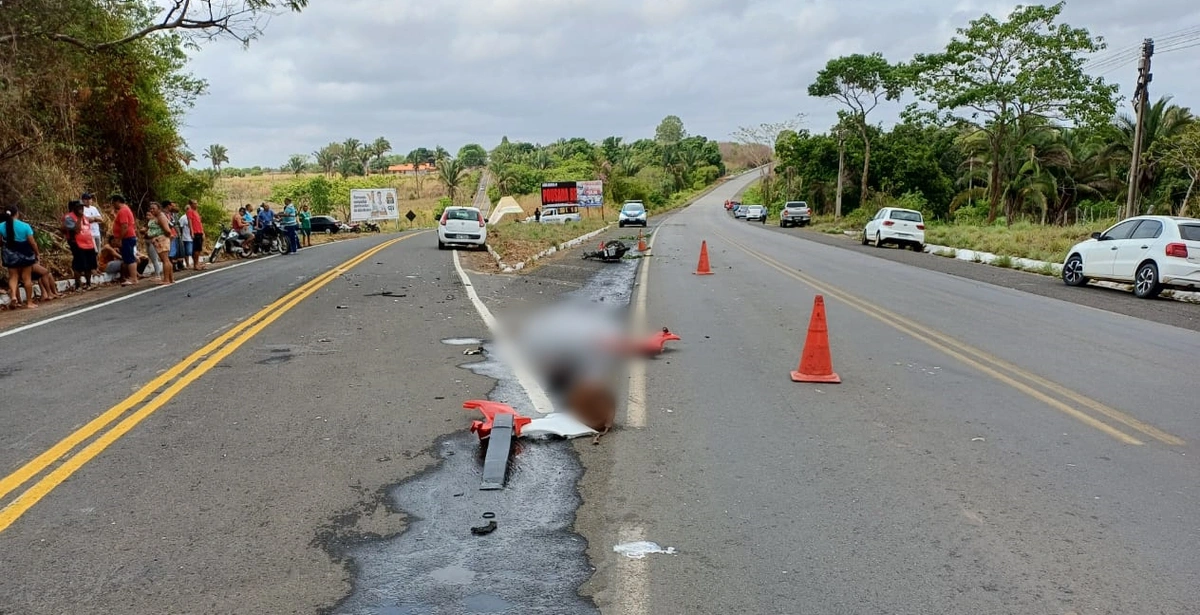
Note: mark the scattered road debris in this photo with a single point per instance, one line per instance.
(642, 548)
(559, 424)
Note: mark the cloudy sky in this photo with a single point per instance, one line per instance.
(448, 73)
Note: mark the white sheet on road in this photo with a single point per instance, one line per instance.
(557, 424)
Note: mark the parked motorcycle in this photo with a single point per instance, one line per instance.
(271, 239)
(372, 226)
(229, 243)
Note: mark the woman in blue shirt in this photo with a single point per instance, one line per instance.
(287, 220)
(20, 254)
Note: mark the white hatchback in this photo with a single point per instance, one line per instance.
(1150, 252)
(461, 225)
(903, 227)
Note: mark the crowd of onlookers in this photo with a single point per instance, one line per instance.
(173, 239)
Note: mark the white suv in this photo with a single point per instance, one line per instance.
(903, 227)
(461, 225)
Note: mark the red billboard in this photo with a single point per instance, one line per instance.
(560, 193)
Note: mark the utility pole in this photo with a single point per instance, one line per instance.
(837, 211)
(1141, 97)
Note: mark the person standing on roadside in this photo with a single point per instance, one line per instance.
(125, 228)
(306, 226)
(197, 225)
(158, 231)
(184, 225)
(93, 216)
(83, 251)
(20, 254)
(287, 219)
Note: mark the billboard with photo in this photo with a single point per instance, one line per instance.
(591, 193)
(373, 204)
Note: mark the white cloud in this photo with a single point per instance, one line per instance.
(430, 73)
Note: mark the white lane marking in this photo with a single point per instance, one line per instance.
(537, 395)
(635, 405)
(633, 580)
(84, 310)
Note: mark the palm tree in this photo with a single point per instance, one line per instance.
(1161, 122)
(296, 164)
(451, 173)
(380, 148)
(542, 159)
(327, 157)
(186, 157)
(351, 153)
(217, 155)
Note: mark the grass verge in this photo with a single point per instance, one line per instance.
(519, 241)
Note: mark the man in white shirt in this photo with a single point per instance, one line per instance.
(92, 214)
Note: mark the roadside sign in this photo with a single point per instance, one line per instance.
(410, 215)
(373, 204)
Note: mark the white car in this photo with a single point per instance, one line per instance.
(560, 214)
(632, 212)
(1150, 252)
(461, 225)
(903, 227)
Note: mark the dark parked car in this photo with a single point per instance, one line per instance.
(325, 224)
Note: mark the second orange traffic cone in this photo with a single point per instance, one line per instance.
(816, 364)
(702, 267)
(641, 242)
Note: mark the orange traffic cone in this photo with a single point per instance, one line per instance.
(816, 365)
(641, 242)
(702, 268)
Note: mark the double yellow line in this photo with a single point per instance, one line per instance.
(174, 379)
(1025, 381)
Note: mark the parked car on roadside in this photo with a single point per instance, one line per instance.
(795, 213)
(325, 224)
(756, 213)
(558, 214)
(902, 227)
(1150, 252)
(632, 212)
(739, 211)
(461, 225)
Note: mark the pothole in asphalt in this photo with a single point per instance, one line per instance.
(531, 563)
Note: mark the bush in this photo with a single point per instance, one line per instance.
(857, 219)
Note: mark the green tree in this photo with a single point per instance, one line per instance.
(670, 130)
(859, 82)
(200, 20)
(451, 173)
(296, 164)
(473, 155)
(1161, 122)
(378, 149)
(327, 157)
(420, 156)
(350, 157)
(1000, 73)
(1183, 151)
(217, 155)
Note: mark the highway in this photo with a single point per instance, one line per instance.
(988, 450)
(286, 436)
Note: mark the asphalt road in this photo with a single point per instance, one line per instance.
(244, 492)
(988, 451)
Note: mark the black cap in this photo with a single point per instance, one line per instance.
(86, 196)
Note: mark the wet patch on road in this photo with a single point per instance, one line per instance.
(532, 562)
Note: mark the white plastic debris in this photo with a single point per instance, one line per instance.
(640, 549)
(556, 424)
